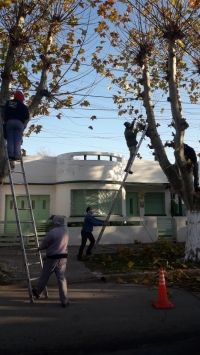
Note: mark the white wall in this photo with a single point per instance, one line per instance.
(38, 170)
(145, 233)
(181, 229)
(70, 169)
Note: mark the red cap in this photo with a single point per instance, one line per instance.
(19, 96)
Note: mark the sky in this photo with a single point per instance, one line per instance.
(71, 132)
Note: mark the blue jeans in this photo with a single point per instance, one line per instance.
(14, 130)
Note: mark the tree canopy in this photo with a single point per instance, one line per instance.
(43, 53)
(42, 49)
(156, 43)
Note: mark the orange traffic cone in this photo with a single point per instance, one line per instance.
(162, 301)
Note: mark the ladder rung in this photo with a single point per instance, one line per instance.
(26, 222)
(33, 233)
(32, 249)
(117, 194)
(17, 172)
(37, 263)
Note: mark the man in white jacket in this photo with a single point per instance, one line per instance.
(56, 244)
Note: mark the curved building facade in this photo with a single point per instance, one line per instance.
(70, 182)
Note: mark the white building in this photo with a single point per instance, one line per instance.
(70, 182)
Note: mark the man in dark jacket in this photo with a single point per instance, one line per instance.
(190, 154)
(131, 142)
(86, 232)
(16, 115)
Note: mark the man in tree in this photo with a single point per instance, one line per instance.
(86, 232)
(131, 142)
(16, 116)
(158, 44)
(191, 155)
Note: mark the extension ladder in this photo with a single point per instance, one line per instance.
(118, 192)
(32, 253)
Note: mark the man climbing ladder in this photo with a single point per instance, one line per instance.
(16, 118)
(130, 136)
(121, 186)
(14, 132)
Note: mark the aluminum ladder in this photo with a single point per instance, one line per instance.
(118, 192)
(32, 253)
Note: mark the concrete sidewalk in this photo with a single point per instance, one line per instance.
(12, 260)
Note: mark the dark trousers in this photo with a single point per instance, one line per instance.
(196, 175)
(85, 236)
(132, 150)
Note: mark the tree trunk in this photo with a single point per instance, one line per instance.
(192, 246)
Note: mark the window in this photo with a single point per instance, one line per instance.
(44, 204)
(96, 157)
(132, 204)
(91, 157)
(22, 204)
(100, 200)
(33, 204)
(11, 205)
(154, 204)
(105, 157)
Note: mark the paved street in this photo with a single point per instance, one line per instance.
(101, 318)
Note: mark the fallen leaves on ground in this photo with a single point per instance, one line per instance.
(187, 279)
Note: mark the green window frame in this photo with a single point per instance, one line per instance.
(100, 200)
(154, 204)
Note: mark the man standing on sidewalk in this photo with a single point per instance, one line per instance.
(56, 244)
(86, 232)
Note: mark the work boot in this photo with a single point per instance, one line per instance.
(34, 292)
(88, 254)
(130, 172)
(65, 305)
(12, 164)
